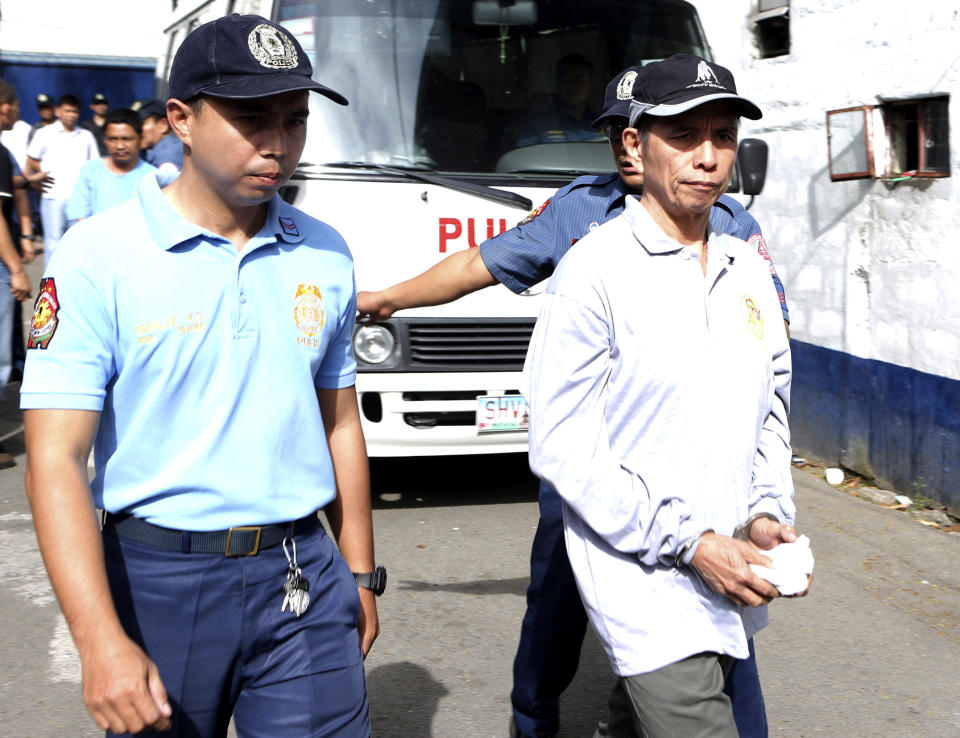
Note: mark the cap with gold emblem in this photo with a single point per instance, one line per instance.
(242, 57)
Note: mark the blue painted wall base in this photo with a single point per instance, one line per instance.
(894, 424)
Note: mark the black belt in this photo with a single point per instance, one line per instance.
(241, 540)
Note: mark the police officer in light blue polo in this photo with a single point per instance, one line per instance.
(198, 337)
(555, 622)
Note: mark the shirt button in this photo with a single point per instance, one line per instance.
(243, 298)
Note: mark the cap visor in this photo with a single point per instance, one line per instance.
(744, 107)
(264, 85)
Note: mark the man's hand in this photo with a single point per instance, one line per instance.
(372, 307)
(122, 688)
(19, 285)
(723, 563)
(766, 533)
(40, 181)
(28, 251)
(369, 623)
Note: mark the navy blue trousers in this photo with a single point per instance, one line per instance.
(214, 628)
(553, 630)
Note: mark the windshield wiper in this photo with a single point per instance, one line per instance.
(490, 193)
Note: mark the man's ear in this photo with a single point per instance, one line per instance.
(631, 142)
(180, 119)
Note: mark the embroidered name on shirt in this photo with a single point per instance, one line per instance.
(150, 331)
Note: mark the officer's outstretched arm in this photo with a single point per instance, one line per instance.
(459, 274)
(121, 686)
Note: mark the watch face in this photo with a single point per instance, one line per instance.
(379, 580)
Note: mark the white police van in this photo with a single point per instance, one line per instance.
(438, 151)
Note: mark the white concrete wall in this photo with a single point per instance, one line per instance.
(124, 28)
(869, 269)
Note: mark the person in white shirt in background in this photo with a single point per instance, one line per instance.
(659, 383)
(59, 151)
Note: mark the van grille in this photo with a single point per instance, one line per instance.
(475, 345)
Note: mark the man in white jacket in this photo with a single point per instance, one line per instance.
(659, 378)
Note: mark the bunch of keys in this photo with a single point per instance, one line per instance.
(297, 596)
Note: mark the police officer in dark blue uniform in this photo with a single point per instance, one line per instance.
(555, 622)
(160, 146)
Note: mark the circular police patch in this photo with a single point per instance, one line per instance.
(272, 48)
(625, 85)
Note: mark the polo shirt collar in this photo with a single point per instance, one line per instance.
(170, 229)
(652, 237)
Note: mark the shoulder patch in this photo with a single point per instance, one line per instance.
(45, 320)
(756, 240)
(535, 213)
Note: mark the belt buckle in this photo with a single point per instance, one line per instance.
(256, 544)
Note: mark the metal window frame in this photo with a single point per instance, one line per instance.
(870, 171)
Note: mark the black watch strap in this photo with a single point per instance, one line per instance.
(376, 581)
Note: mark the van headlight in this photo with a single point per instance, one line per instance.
(373, 344)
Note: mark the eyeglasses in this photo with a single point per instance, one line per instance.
(613, 131)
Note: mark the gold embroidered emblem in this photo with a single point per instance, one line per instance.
(308, 310)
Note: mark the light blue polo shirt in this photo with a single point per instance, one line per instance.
(202, 361)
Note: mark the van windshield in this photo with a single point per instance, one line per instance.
(476, 87)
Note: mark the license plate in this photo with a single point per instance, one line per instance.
(502, 413)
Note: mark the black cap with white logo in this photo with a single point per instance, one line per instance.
(242, 57)
(682, 82)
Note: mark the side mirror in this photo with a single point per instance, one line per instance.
(752, 160)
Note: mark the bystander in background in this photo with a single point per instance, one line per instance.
(14, 283)
(47, 112)
(96, 125)
(58, 152)
(114, 178)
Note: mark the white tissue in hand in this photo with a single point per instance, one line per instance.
(792, 564)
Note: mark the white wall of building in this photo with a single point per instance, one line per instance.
(116, 28)
(870, 269)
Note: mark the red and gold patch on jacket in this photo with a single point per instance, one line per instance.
(45, 320)
(535, 213)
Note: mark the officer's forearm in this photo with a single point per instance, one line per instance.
(349, 513)
(58, 443)
(457, 275)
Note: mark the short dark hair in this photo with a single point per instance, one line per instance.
(196, 103)
(7, 93)
(124, 116)
(68, 99)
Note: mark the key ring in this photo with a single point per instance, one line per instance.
(293, 561)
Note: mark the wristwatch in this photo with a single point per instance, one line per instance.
(376, 582)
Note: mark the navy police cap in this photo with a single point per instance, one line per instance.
(619, 94)
(149, 107)
(242, 57)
